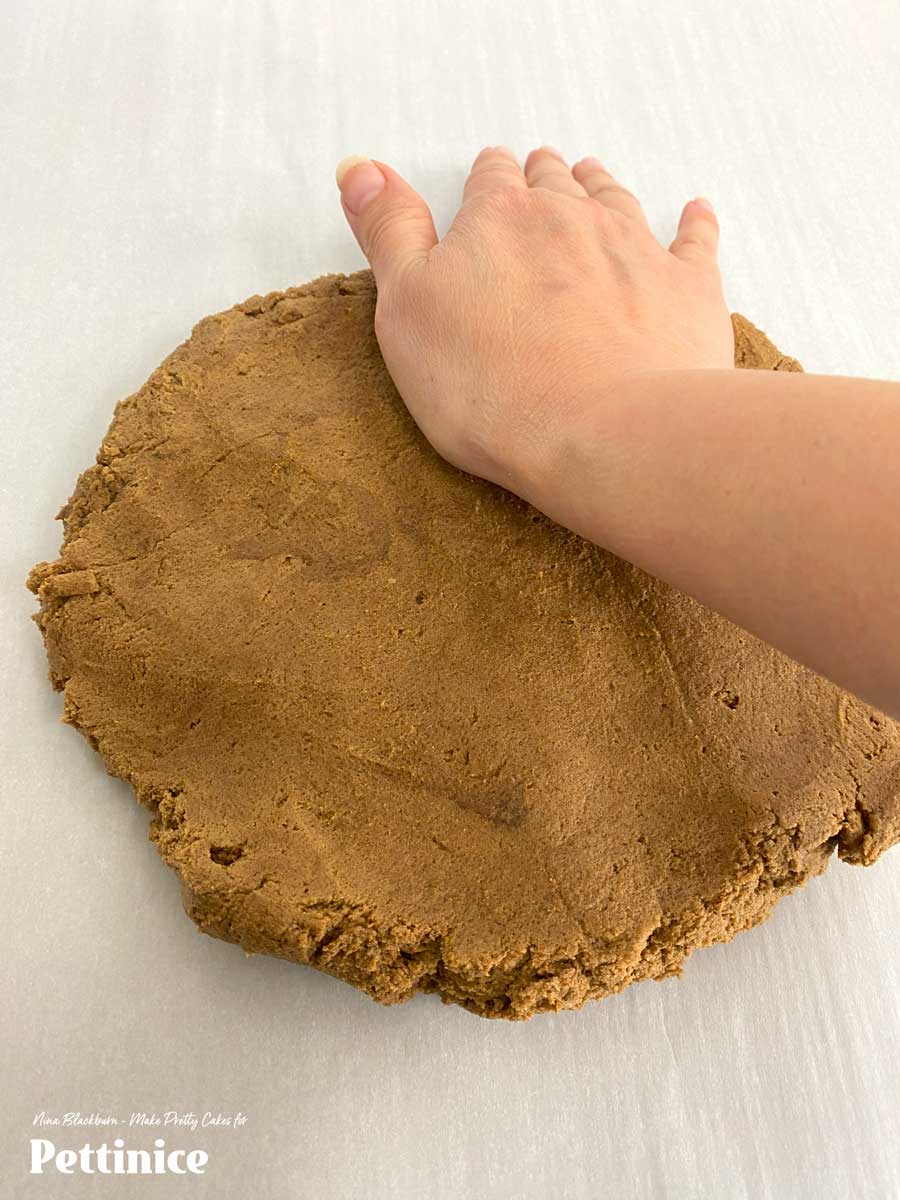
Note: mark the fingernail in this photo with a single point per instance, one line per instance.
(551, 150)
(592, 163)
(702, 202)
(359, 180)
(504, 150)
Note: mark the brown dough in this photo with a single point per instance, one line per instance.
(396, 724)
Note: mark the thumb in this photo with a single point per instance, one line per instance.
(697, 239)
(389, 219)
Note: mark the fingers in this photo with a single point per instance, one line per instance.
(697, 239)
(546, 168)
(390, 220)
(494, 168)
(600, 185)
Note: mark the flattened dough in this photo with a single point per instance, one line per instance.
(394, 723)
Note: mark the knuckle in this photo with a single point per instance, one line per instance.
(496, 175)
(546, 169)
(697, 242)
(524, 213)
(619, 223)
(596, 176)
(499, 203)
(385, 221)
(487, 155)
(605, 219)
(609, 191)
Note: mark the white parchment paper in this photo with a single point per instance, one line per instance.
(162, 160)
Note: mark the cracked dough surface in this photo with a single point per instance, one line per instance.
(394, 723)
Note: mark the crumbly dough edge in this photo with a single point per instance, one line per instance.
(392, 964)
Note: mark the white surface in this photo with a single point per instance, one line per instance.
(164, 160)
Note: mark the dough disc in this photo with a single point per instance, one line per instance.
(394, 723)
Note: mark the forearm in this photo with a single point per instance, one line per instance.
(773, 498)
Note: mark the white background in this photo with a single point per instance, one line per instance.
(161, 161)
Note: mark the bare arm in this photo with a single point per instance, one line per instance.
(772, 497)
(552, 345)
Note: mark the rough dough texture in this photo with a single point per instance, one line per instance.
(394, 723)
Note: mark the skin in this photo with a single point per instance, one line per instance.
(550, 344)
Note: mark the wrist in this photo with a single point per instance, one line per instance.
(576, 468)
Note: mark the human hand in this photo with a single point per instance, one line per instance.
(548, 290)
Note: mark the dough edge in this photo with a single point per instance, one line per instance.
(393, 963)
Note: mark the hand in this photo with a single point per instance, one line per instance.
(550, 344)
(546, 294)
